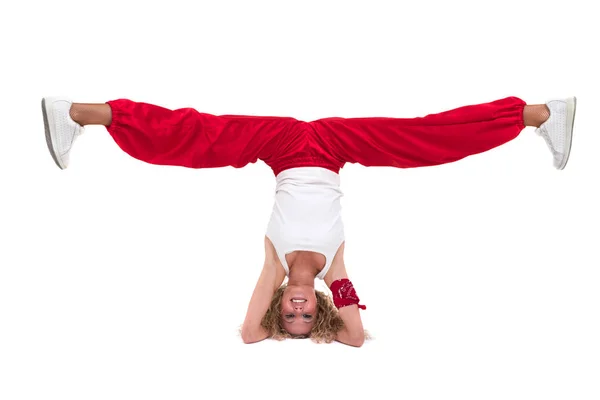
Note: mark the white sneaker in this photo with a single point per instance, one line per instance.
(557, 131)
(61, 130)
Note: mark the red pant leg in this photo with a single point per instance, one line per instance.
(430, 140)
(188, 138)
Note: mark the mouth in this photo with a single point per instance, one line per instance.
(298, 300)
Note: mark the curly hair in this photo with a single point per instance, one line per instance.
(327, 321)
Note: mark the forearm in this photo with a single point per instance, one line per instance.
(252, 331)
(352, 333)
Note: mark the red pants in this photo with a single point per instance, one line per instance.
(188, 138)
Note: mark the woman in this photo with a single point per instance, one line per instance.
(305, 236)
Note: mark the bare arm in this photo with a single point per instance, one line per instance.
(270, 279)
(352, 333)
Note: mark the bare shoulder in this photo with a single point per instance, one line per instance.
(338, 268)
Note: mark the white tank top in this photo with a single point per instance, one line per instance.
(307, 214)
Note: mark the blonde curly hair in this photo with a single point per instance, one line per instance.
(327, 321)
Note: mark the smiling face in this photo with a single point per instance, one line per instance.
(298, 309)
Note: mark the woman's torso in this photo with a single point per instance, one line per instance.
(306, 220)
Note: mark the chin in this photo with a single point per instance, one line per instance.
(293, 291)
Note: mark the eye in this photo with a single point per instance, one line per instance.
(289, 316)
(306, 316)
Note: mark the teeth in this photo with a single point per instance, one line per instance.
(298, 301)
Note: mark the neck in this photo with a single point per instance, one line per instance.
(302, 274)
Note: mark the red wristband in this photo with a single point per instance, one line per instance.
(344, 294)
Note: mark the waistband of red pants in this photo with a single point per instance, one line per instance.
(320, 162)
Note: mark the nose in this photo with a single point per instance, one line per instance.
(298, 306)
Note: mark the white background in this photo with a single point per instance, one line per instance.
(124, 280)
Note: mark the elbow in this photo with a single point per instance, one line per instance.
(250, 337)
(357, 341)
(247, 338)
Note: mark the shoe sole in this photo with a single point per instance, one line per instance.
(571, 108)
(49, 134)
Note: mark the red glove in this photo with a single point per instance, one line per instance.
(344, 294)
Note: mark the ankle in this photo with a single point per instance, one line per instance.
(535, 115)
(91, 114)
(75, 113)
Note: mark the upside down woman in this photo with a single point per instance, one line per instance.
(305, 235)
